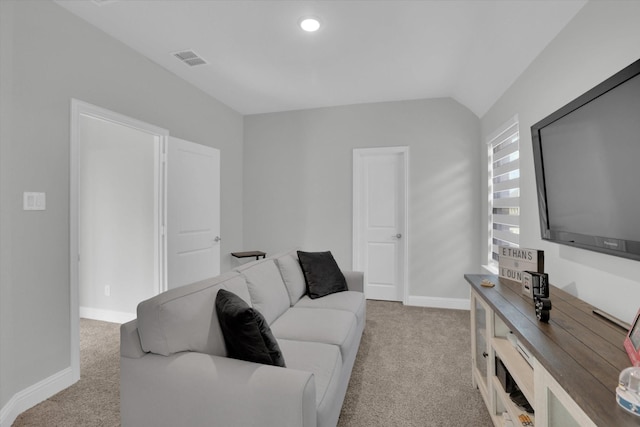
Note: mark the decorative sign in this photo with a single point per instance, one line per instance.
(513, 261)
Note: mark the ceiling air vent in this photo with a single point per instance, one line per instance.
(190, 58)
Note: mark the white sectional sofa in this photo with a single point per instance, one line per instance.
(174, 369)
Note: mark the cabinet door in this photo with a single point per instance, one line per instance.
(554, 406)
(479, 339)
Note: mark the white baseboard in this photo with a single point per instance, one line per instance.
(106, 315)
(436, 302)
(491, 269)
(35, 394)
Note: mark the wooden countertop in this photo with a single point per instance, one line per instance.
(581, 350)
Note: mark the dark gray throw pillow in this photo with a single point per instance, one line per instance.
(246, 333)
(322, 274)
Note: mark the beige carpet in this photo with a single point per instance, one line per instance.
(412, 369)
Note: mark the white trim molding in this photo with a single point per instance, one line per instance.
(437, 302)
(35, 394)
(106, 315)
(491, 269)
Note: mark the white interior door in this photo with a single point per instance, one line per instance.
(380, 223)
(193, 212)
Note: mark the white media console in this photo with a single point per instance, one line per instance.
(567, 368)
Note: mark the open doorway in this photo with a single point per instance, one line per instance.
(117, 209)
(119, 218)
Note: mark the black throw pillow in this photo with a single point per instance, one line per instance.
(246, 333)
(322, 274)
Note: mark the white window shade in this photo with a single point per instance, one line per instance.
(504, 188)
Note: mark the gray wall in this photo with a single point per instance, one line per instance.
(49, 56)
(298, 183)
(602, 39)
(6, 312)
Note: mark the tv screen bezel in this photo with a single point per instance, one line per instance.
(604, 244)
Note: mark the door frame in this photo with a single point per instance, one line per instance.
(81, 108)
(358, 163)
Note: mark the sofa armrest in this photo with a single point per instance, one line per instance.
(197, 389)
(130, 340)
(355, 280)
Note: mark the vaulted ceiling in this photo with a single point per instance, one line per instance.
(258, 59)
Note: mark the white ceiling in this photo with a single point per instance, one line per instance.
(366, 51)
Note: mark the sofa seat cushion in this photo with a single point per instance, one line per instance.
(353, 302)
(321, 325)
(322, 360)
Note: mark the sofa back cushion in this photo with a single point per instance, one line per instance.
(184, 318)
(267, 290)
(292, 276)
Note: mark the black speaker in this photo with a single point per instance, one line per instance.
(505, 377)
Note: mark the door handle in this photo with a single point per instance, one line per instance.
(217, 239)
(397, 236)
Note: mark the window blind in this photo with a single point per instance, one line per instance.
(504, 188)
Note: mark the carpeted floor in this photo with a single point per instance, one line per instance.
(412, 369)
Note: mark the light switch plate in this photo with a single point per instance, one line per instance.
(34, 201)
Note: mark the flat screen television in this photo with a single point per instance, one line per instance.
(587, 166)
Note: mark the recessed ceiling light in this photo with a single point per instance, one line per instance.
(309, 24)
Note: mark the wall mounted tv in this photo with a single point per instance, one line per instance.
(587, 165)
